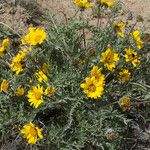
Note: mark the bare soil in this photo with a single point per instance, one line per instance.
(19, 14)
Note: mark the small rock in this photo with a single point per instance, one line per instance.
(1, 6)
(12, 11)
(2, 11)
(12, 2)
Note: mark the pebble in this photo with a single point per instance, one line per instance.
(12, 11)
(1, 6)
(2, 11)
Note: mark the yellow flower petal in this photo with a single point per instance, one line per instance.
(35, 96)
(31, 133)
(109, 59)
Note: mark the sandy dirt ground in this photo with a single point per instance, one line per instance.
(19, 14)
(138, 7)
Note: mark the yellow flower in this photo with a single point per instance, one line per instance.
(96, 72)
(41, 76)
(125, 103)
(20, 56)
(137, 38)
(83, 3)
(1, 50)
(4, 85)
(93, 88)
(108, 3)
(119, 29)
(109, 59)
(23, 54)
(124, 75)
(82, 61)
(131, 56)
(49, 91)
(17, 58)
(16, 67)
(31, 133)
(140, 44)
(5, 43)
(35, 96)
(45, 67)
(34, 37)
(136, 34)
(20, 91)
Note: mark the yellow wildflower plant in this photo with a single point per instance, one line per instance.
(96, 72)
(124, 75)
(93, 88)
(108, 3)
(34, 37)
(40, 75)
(5, 43)
(131, 56)
(109, 59)
(20, 91)
(119, 27)
(83, 3)
(31, 132)
(125, 103)
(35, 96)
(49, 91)
(4, 85)
(137, 38)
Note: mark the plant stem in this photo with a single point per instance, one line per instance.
(10, 28)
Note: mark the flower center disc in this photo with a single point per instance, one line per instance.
(109, 58)
(38, 96)
(92, 88)
(33, 132)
